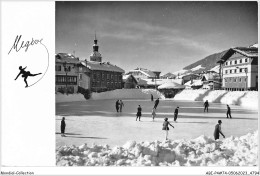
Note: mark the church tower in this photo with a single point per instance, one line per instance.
(95, 56)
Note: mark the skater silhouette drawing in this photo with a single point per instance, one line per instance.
(25, 74)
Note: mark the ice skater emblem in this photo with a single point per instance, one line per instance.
(25, 75)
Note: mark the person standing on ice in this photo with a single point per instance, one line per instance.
(156, 103)
(218, 131)
(139, 113)
(25, 74)
(151, 97)
(228, 112)
(117, 105)
(176, 114)
(166, 128)
(153, 113)
(206, 106)
(62, 127)
(121, 104)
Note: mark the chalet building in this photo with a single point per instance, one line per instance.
(239, 69)
(103, 75)
(142, 73)
(129, 82)
(70, 74)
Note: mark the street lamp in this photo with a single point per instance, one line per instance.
(246, 75)
(66, 78)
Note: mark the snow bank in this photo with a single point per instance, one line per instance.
(68, 98)
(248, 99)
(191, 95)
(127, 94)
(202, 151)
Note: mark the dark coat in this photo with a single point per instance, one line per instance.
(139, 111)
(62, 126)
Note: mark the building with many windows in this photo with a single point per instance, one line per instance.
(73, 74)
(103, 75)
(70, 74)
(239, 68)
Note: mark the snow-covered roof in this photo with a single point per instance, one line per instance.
(66, 57)
(146, 72)
(171, 85)
(250, 52)
(105, 66)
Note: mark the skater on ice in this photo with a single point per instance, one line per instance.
(153, 113)
(117, 105)
(229, 112)
(166, 128)
(151, 97)
(176, 114)
(156, 103)
(206, 106)
(121, 104)
(25, 74)
(218, 131)
(139, 113)
(62, 127)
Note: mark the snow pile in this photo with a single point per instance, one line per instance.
(127, 94)
(68, 98)
(232, 97)
(247, 99)
(214, 96)
(188, 94)
(202, 151)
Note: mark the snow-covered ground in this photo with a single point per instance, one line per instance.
(201, 151)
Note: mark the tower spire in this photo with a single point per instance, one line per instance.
(95, 56)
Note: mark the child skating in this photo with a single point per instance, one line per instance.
(166, 128)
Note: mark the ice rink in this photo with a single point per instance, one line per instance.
(96, 121)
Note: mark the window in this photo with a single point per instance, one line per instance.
(103, 76)
(226, 71)
(108, 76)
(230, 71)
(80, 76)
(226, 63)
(235, 80)
(240, 70)
(58, 68)
(235, 70)
(240, 79)
(230, 62)
(68, 68)
(240, 61)
(245, 59)
(235, 62)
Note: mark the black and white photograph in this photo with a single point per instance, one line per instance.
(129, 88)
(156, 83)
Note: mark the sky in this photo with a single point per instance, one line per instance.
(161, 36)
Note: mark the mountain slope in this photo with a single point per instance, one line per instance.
(207, 63)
